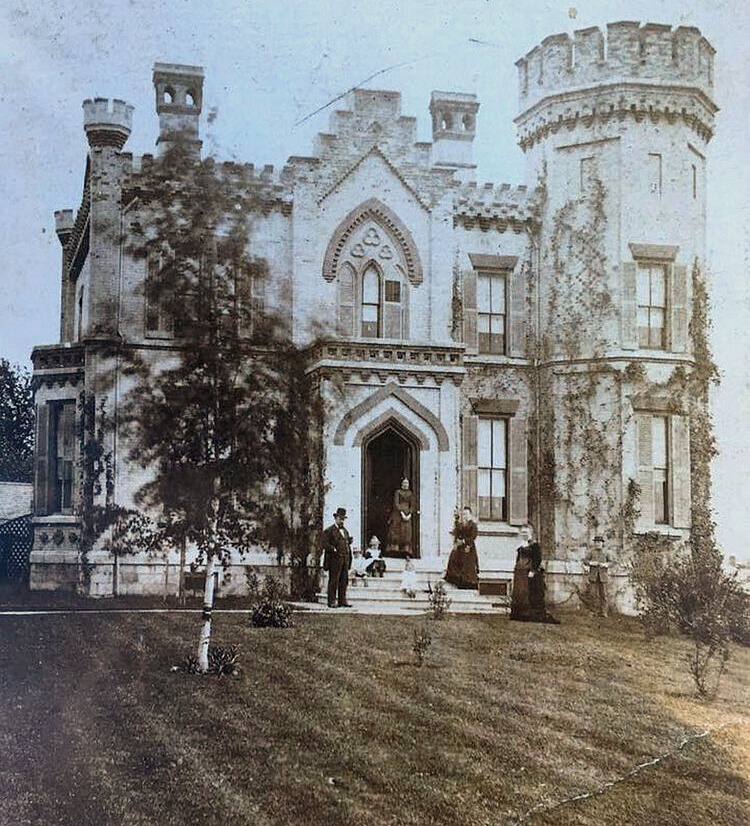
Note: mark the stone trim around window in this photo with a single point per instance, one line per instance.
(495, 407)
(493, 262)
(390, 222)
(653, 252)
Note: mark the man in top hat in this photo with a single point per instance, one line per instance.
(597, 562)
(337, 559)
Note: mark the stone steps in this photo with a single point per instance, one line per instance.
(384, 596)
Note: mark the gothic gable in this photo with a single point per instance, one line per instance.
(372, 231)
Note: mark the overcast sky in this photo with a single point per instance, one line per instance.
(271, 63)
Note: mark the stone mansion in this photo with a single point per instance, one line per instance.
(524, 350)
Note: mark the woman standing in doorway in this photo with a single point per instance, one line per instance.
(400, 527)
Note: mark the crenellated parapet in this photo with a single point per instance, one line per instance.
(628, 51)
(495, 206)
(648, 70)
(107, 122)
(269, 186)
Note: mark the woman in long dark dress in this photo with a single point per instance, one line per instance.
(400, 524)
(529, 591)
(463, 563)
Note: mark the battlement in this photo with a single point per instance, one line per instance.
(107, 121)
(627, 52)
(271, 186)
(500, 205)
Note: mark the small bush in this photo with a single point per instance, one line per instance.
(439, 600)
(221, 661)
(268, 607)
(422, 641)
(691, 593)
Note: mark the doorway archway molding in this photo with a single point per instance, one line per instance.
(387, 392)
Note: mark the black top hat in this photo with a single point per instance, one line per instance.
(598, 538)
(340, 512)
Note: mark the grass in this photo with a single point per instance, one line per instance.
(333, 723)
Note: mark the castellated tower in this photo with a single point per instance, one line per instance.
(615, 126)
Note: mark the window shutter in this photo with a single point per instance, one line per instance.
(518, 511)
(345, 300)
(392, 319)
(470, 462)
(680, 461)
(243, 297)
(259, 278)
(470, 310)
(629, 309)
(645, 472)
(517, 311)
(678, 305)
(41, 470)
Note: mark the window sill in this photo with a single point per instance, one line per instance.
(153, 336)
(55, 519)
(497, 529)
(667, 531)
(490, 358)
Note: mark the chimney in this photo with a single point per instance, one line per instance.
(179, 99)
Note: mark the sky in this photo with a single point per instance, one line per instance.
(271, 64)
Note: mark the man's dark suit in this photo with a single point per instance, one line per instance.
(337, 559)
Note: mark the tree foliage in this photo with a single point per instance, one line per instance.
(689, 590)
(16, 424)
(224, 422)
(691, 593)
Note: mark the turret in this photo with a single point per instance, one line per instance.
(179, 100)
(63, 225)
(64, 222)
(107, 122)
(454, 124)
(615, 126)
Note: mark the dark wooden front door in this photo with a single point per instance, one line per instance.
(389, 455)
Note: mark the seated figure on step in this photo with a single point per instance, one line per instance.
(358, 572)
(375, 563)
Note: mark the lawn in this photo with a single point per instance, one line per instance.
(332, 722)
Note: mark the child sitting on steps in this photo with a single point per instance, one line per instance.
(375, 564)
(409, 579)
(358, 572)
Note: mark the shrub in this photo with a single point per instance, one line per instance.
(439, 600)
(268, 607)
(422, 641)
(221, 661)
(691, 593)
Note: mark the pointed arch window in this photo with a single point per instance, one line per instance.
(371, 304)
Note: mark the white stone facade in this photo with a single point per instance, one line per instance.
(495, 306)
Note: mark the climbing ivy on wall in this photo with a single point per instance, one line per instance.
(577, 432)
(580, 423)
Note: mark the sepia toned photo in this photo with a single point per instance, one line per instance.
(374, 404)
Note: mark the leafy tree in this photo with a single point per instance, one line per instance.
(224, 423)
(691, 593)
(16, 424)
(689, 590)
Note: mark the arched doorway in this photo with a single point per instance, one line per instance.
(388, 455)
